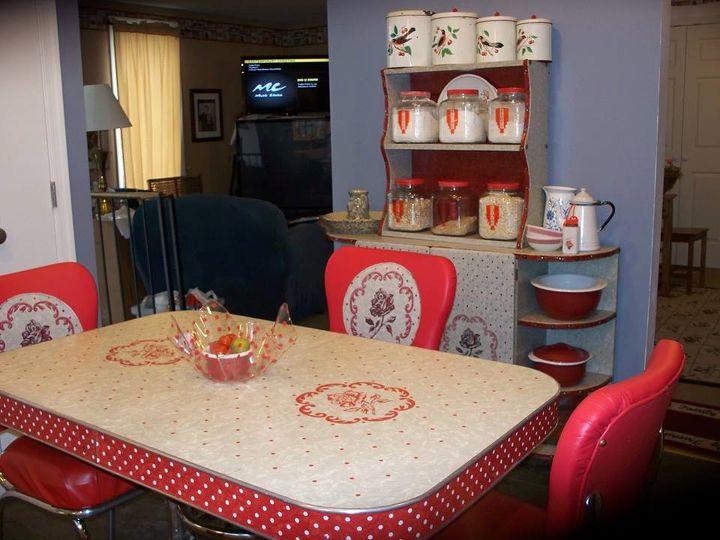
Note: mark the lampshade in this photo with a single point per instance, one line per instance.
(102, 110)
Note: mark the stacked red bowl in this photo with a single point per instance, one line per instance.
(568, 296)
(563, 362)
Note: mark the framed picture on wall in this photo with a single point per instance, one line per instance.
(206, 111)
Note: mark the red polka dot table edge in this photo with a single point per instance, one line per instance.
(267, 514)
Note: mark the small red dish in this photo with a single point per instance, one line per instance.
(563, 362)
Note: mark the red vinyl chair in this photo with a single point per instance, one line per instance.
(396, 296)
(605, 458)
(36, 305)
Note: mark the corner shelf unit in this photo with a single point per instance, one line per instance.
(594, 333)
(478, 163)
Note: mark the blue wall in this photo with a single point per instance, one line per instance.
(73, 100)
(604, 124)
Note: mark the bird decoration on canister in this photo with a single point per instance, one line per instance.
(486, 47)
(440, 42)
(443, 39)
(399, 40)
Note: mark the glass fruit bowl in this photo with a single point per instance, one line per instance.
(225, 349)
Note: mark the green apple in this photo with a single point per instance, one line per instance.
(240, 345)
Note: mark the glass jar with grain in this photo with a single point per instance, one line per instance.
(501, 208)
(409, 206)
(455, 209)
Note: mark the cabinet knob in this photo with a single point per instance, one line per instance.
(3, 236)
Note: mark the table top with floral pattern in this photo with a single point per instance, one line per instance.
(340, 423)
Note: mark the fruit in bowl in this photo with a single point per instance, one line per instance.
(229, 344)
(228, 358)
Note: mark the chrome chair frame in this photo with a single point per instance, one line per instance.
(192, 520)
(77, 517)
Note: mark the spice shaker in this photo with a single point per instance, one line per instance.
(571, 236)
(358, 206)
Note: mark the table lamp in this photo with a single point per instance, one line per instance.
(102, 112)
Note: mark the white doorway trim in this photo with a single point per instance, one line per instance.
(55, 129)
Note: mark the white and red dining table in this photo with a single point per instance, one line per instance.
(344, 437)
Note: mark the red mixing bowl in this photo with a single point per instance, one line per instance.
(563, 362)
(568, 296)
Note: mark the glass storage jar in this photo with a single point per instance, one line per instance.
(414, 118)
(501, 208)
(506, 116)
(455, 209)
(409, 206)
(461, 117)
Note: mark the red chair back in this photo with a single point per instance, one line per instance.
(394, 296)
(45, 303)
(606, 449)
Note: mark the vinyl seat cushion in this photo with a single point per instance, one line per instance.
(57, 478)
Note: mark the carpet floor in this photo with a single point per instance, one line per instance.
(694, 320)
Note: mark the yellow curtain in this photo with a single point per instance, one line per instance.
(148, 73)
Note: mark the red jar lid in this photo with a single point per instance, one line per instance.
(415, 93)
(509, 90)
(507, 186)
(453, 183)
(561, 353)
(460, 91)
(409, 181)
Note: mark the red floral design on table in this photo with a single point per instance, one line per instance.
(27, 319)
(382, 302)
(472, 337)
(349, 403)
(145, 352)
(271, 516)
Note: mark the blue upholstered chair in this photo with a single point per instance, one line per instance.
(241, 248)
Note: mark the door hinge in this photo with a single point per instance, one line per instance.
(53, 195)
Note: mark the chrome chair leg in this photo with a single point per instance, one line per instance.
(81, 528)
(207, 527)
(110, 524)
(2, 517)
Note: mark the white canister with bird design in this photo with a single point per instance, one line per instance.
(534, 39)
(495, 38)
(408, 38)
(453, 37)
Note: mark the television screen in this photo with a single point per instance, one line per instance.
(286, 85)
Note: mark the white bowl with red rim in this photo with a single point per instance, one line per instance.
(545, 244)
(539, 233)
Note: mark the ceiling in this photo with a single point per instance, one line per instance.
(270, 13)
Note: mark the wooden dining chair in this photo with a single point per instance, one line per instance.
(36, 305)
(605, 458)
(396, 296)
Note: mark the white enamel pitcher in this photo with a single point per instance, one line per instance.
(583, 206)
